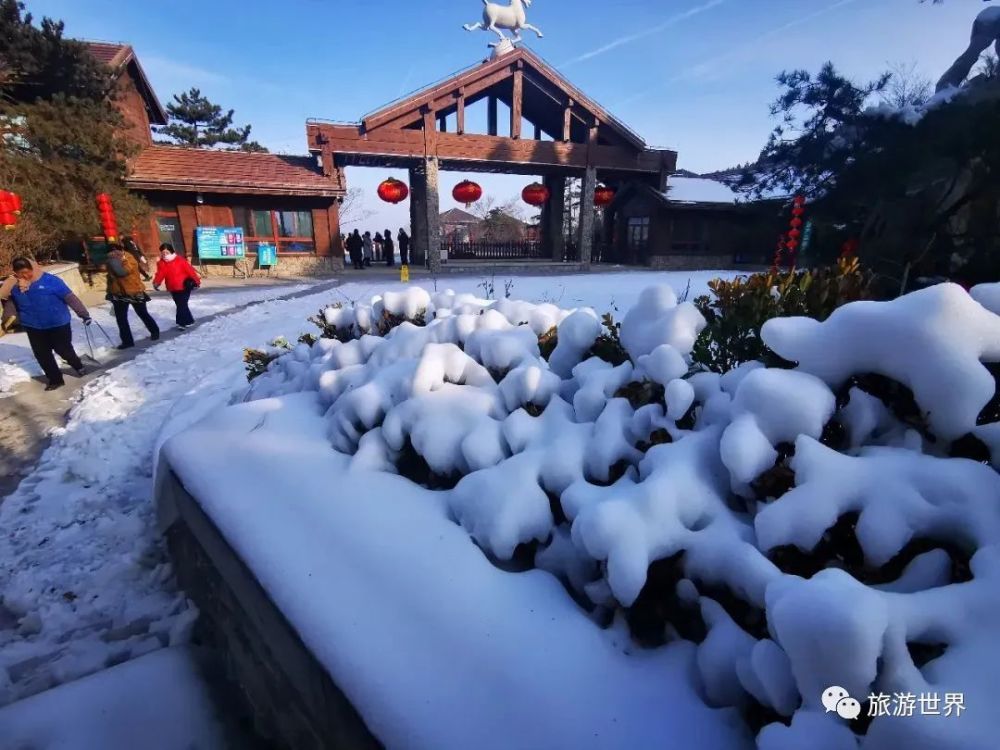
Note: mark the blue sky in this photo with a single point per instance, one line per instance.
(693, 75)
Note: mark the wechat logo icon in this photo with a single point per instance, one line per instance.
(836, 699)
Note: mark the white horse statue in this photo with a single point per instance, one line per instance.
(985, 31)
(511, 17)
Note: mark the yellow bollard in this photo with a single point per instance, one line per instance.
(404, 274)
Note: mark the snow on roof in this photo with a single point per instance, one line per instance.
(699, 190)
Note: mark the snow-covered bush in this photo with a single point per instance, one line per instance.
(835, 521)
(737, 308)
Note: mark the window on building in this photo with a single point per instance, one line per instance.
(289, 231)
(638, 233)
(689, 234)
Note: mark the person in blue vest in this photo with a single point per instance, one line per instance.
(43, 302)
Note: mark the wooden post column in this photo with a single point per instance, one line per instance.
(492, 116)
(553, 216)
(336, 246)
(418, 233)
(586, 238)
(428, 210)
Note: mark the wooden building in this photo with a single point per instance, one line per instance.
(695, 223)
(551, 130)
(287, 201)
(459, 226)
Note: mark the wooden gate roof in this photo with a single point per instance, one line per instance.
(582, 132)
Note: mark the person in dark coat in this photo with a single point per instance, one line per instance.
(355, 248)
(125, 289)
(389, 248)
(43, 302)
(377, 246)
(404, 247)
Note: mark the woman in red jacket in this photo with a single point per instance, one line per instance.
(180, 278)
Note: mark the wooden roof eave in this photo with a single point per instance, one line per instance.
(247, 188)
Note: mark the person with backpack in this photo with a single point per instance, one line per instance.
(125, 289)
(180, 278)
(43, 302)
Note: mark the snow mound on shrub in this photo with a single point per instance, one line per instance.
(657, 319)
(933, 341)
(798, 528)
(987, 295)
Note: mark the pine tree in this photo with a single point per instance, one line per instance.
(36, 63)
(63, 139)
(196, 122)
(920, 194)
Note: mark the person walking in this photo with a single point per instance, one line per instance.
(390, 249)
(354, 249)
(366, 248)
(125, 289)
(404, 247)
(43, 302)
(180, 279)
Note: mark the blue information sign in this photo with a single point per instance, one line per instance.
(220, 243)
(267, 254)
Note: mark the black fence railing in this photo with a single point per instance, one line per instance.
(523, 250)
(484, 250)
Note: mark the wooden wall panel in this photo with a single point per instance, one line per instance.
(133, 108)
(189, 222)
(321, 231)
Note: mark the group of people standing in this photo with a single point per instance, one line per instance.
(42, 303)
(364, 249)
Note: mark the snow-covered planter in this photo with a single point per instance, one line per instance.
(837, 523)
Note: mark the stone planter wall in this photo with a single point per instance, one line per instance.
(306, 265)
(293, 701)
(690, 262)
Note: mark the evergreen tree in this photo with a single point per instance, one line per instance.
(921, 194)
(196, 122)
(37, 63)
(63, 138)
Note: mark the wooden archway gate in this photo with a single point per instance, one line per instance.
(586, 142)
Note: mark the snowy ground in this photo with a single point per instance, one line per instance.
(17, 365)
(156, 702)
(84, 579)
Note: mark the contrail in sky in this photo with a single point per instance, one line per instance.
(621, 41)
(707, 66)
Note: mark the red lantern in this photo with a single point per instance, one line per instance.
(467, 192)
(603, 196)
(535, 194)
(795, 234)
(800, 200)
(796, 223)
(393, 191)
(11, 202)
(106, 211)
